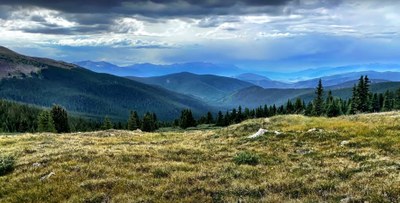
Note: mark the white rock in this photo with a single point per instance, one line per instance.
(277, 133)
(259, 133)
(47, 176)
(36, 164)
(312, 130)
(345, 200)
(343, 143)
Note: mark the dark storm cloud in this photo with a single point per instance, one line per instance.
(97, 16)
(55, 30)
(146, 7)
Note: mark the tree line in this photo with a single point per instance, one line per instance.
(15, 117)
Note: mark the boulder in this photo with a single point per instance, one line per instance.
(259, 133)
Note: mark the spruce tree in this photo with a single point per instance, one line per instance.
(298, 106)
(133, 121)
(60, 118)
(220, 119)
(187, 119)
(318, 105)
(355, 101)
(149, 122)
(210, 118)
(45, 122)
(106, 124)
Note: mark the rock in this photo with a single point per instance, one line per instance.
(345, 200)
(259, 133)
(312, 130)
(36, 164)
(303, 151)
(47, 176)
(138, 130)
(277, 133)
(343, 143)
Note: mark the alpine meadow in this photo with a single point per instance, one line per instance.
(199, 101)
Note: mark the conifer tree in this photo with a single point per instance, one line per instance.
(355, 101)
(45, 122)
(210, 118)
(187, 119)
(149, 122)
(60, 118)
(220, 119)
(133, 121)
(318, 105)
(107, 124)
(298, 106)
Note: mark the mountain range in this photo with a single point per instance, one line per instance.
(209, 88)
(151, 70)
(44, 82)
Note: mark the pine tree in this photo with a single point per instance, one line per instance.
(298, 106)
(220, 119)
(388, 101)
(149, 123)
(318, 105)
(60, 118)
(355, 101)
(133, 121)
(210, 118)
(364, 94)
(334, 109)
(397, 100)
(107, 124)
(309, 109)
(239, 115)
(376, 106)
(45, 122)
(187, 119)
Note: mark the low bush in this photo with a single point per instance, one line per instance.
(6, 165)
(246, 158)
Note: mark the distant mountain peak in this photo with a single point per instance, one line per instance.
(252, 76)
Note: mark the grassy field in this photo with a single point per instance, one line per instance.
(345, 159)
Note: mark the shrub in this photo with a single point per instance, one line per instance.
(246, 158)
(6, 165)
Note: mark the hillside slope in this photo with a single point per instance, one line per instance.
(345, 159)
(209, 88)
(255, 96)
(89, 93)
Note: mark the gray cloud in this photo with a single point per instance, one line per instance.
(144, 7)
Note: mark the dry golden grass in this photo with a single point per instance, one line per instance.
(198, 166)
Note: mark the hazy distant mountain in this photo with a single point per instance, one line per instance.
(86, 92)
(262, 81)
(295, 76)
(151, 70)
(346, 78)
(209, 88)
(255, 96)
(337, 81)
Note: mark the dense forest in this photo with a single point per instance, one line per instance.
(16, 117)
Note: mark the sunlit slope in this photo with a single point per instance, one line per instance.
(351, 158)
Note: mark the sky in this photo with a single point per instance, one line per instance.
(267, 35)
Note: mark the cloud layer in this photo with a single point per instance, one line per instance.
(254, 34)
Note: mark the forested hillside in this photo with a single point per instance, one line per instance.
(89, 93)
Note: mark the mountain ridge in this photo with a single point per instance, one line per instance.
(92, 94)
